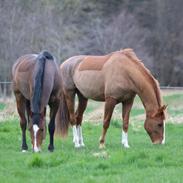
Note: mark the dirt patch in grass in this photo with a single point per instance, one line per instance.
(9, 110)
(172, 99)
(95, 110)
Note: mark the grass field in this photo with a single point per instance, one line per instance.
(143, 162)
(2, 106)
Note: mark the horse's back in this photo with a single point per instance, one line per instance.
(81, 72)
(93, 62)
(98, 77)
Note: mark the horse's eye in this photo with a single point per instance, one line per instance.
(160, 125)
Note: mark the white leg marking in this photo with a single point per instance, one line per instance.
(74, 132)
(35, 130)
(124, 140)
(80, 134)
(163, 141)
(75, 137)
(102, 146)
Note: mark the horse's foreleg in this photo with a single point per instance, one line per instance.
(21, 105)
(109, 107)
(79, 116)
(51, 127)
(125, 115)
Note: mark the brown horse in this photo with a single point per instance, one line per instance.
(114, 78)
(36, 83)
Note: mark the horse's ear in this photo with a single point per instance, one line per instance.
(163, 108)
(160, 112)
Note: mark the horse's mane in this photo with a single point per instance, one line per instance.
(133, 57)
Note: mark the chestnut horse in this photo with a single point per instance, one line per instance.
(36, 83)
(113, 78)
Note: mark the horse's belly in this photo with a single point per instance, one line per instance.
(90, 84)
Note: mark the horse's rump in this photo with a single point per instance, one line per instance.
(24, 74)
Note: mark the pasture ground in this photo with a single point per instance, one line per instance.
(143, 162)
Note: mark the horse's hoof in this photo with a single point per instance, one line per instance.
(126, 146)
(102, 146)
(77, 146)
(24, 151)
(24, 147)
(50, 148)
(82, 145)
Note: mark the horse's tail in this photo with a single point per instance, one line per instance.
(39, 79)
(62, 118)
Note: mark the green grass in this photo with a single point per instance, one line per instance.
(143, 162)
(2, 106)
(175, 98)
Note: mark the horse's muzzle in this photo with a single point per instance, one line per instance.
(36, 149)
(158, 142)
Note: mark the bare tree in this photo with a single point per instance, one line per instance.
(71, 27)
(121, 32)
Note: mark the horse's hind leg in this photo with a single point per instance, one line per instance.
(109, 107)
(21, 105)
(70, 99)
(127, 105)
(51, 127)
(28, 110)
(82, 103)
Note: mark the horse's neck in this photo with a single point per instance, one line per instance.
(149, 98)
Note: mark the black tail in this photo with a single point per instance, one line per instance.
(62, 118)
(38, 83)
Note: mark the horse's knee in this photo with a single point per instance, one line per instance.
(106, 124)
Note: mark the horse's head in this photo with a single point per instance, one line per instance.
(37, 131)
(155, 126)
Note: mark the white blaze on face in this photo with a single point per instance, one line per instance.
(35, 130)
(163, 141)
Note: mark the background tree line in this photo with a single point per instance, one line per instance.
(71, 27)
